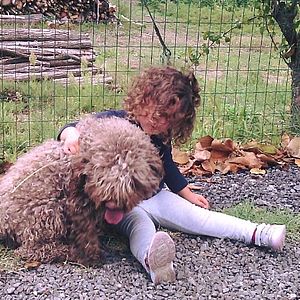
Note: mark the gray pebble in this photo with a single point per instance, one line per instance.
(207, 268)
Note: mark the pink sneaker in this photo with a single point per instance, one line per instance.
(160, 258)
(272, 236)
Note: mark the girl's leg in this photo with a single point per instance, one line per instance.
(176, 213)
(140, 229)
(173, 212)
(154, 250)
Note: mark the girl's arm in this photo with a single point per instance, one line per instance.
(70, 135)
(199, 200)
(176, 181)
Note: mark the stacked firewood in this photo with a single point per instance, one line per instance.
(77, 10)
(38, 54)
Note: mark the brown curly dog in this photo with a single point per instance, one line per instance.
(53, 205)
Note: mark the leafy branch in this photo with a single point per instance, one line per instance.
(212, 39)
(271, 13)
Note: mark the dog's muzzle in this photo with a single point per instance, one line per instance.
(113, 214)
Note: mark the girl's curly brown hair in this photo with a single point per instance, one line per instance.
(166, 87)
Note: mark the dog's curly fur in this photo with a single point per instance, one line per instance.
(52, 204)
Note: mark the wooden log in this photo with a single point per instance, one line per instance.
(37, 54)
(15, 67)
(23, 50)
(83, 44)
(43, 66)
(25, 69)
(47, 75)
(33, 34)
(12, 53)
(13, 60)
(65, 62)
(95, 80)
(26, 19)
(43, 55)
(63, 57)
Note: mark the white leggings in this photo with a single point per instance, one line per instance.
(175, 213)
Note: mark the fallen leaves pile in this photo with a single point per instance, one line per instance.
(211, 155)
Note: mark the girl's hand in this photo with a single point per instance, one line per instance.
(199, 200)
(70, 137)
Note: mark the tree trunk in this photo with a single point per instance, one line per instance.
(285, 15)
(295, 107)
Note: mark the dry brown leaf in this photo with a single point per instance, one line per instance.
(30, 265)
(288, 160)
(227, 167)
(229, 143)
(254, 161)
(213, 155)
(241, 160)
(293, 148)
(201, 155)
(209, 166)
(257, 171)
(233, 168)
(225, 146)
(279, 155)
(248, 160)
(218, 155)
(270, 160)
(252, 145)
(257, 147)
(180, 157)
(198, 171)
(185, 169)
(204, 143)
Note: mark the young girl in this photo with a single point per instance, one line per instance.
(163, 101)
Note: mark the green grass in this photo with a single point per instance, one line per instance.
(248, 211)
(41, 108)
(8, 262)
(246, 90)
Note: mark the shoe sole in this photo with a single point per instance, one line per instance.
(160, 258)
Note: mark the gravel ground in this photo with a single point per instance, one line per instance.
(207, 268)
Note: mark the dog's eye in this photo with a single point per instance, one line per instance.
(84, 160)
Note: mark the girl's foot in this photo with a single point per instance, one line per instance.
(160, 258)
(272, 236)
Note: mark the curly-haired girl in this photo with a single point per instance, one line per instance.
(163, 101)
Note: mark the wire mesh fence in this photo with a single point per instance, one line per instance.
(59, 65)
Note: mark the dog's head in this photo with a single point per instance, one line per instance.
(120, 164)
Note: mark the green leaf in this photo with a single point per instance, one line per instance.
(238, 24)
(296, 24)
(227, 39)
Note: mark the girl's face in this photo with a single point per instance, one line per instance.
(154, 122)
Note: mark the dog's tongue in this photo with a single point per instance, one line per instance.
(113, 216)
